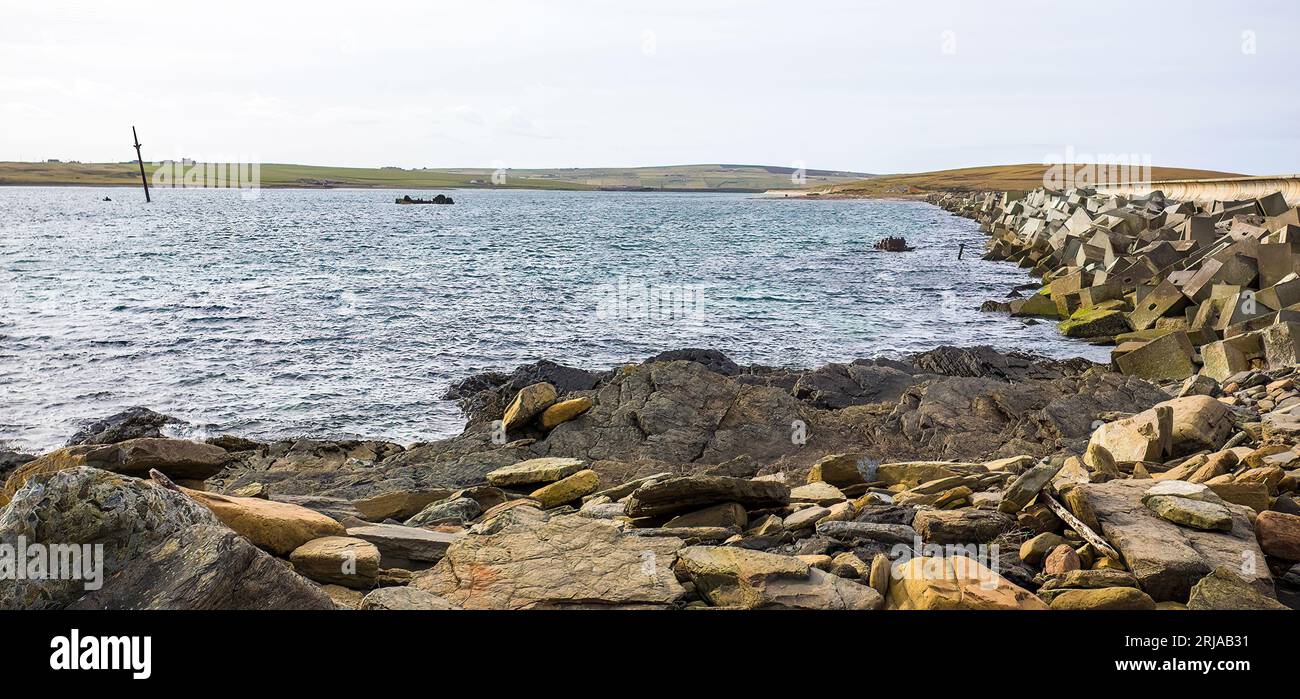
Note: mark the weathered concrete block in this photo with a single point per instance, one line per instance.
(1165, 299)
(1165, 358)
(1227, 357)
(1281, 344)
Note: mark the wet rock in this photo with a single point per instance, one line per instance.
(532, 561)
(205, 566)
(132, 423)
(739, 578)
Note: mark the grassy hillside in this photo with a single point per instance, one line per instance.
(996, 177)
(677, 177)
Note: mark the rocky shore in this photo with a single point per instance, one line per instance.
(955, 479)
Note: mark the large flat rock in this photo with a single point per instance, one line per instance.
(1169, 559)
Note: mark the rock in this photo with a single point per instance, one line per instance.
(1034, 550)
(1095, 323)
(1125, 598)
(565, 410)
(1196, 423)
(840, 470)
(484, 397)
(528, 404)
(82, 507)
(1027, 485)
(177, 458)
(849, 561)
(567, 489)
(856, 531)
(1252, 495)
(1166, 558)
(206, 567)
(452, 510)
(341, 560)
(399, 545)
(744, 579)
(818, 561)
(399, 505)
(1279, 535)
(132, 423)
(1061, 559)
(805, 518)
(817, 493)
(967, 526)
(404, 599)
(728, 514)
(278, 527)
(343, 597)
(914, 473)
(881, 572)
(527, 560)
(674, 495)
(1224, 589)
(535, 471)
(954, 582)
(1188, 504)
(1088, 579)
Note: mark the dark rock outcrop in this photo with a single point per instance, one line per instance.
(132, 423)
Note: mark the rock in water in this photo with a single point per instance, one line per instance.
(528, 404)
(532, 561)
(674, 495)
(739, 578)
(131, 423)
(85, 506)
(206, 566)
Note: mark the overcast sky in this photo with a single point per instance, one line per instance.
(866, 86)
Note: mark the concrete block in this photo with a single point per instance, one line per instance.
(1164, 358)
(1224, 358)
(1281, 344)
(1164, 299)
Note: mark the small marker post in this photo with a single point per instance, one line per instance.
(961, 248)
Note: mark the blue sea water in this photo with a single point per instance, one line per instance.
(338, 313)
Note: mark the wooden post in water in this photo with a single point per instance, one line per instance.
(960, 249)
(140, 159)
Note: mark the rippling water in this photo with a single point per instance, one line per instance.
(338, 313)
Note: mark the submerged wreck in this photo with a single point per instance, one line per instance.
(440, 199)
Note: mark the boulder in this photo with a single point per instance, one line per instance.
(1113, 598)
(399, 545)
(805, 518)
(528, 404)
(673, 495)
(1034, 550)
(1196, 423)
(535, 471)
(177, 458)
(817, 493)
(527, 560)
(851, 532)
(80, 507)
(454, 510)
(743, 579)
(563, 411)
(278, 527)
(567, 489)
(840, 470)
(340, 560)
(400, 505)
(206, 567)
(131, 423)
(728, 514)
(1223, 589)
(954, 582)
(1061, 559)
(964, 526)
(1279, 535)
(1166, 558)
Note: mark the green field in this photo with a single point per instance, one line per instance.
(743, 178)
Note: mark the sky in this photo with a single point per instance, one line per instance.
(876, 87)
